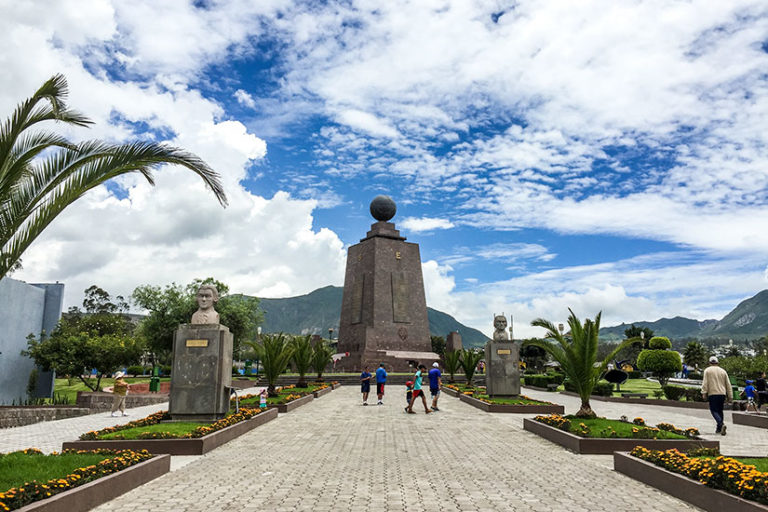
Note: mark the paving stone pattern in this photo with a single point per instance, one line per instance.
(333, 454)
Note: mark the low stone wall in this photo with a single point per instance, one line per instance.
(103, 401)
(19, 416)
(143, 387)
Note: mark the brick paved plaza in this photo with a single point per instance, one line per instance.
(334, 454)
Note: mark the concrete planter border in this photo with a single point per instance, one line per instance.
(196, 446)
(606, 446)
(644, 401)
(288, 407)
(450, 392)
(515, 409)
(750, 419)
(97, 492)
(321, 392)
(682, 487)
(336, 385)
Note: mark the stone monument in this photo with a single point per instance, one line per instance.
(384, 309)
(202, 364)
(502, 359)
(453, 342)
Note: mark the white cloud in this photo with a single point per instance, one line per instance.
(367, 122)
(244, 98)
(418, 225)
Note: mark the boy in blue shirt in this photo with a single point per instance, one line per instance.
(381, 379)
(751, 394)
(418, 392)
(365, 384)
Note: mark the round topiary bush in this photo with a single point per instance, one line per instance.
(659, 343)
(663, 363)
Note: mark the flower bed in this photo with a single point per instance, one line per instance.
(607, 436)
(520, 405)
(288, 399)
(86, 487)
(715, 484)
(198, 441)
(321, 389)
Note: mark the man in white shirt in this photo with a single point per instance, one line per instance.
(716, 387)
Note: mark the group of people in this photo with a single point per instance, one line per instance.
(413, 388)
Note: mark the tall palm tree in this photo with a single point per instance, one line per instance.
(275, 352)
(41, 172)
(302, 357)
(577, 355)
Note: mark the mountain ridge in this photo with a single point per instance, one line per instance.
(319, 310)
(748, 320)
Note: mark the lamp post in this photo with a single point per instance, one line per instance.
(330, 333)
(561, 328)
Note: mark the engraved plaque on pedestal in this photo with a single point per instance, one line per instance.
(202, 372)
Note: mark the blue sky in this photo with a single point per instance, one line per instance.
(545, 155)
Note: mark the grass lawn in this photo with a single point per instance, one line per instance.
(18, 468)
(511, 401)
(176, 428)
(282, 395)
(761, 464)
(639, 386)
(598, 427)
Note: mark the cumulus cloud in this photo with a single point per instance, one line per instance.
(418, 225)
(245, 99)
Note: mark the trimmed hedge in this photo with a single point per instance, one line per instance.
(659, 343)
(601, 388)
(674, 392)
(541, 380)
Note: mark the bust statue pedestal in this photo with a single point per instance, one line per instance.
(502, 373)
(202, 372)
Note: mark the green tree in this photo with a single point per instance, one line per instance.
(76, 354)
(438, 345)
(302, 357)
(275, 353)
(695, 354)
(468, 360)
(659, 359)
(322, 356)
(100, 338)
(577, 355)
(41, 172)
(174, 305)
(642, 333)
(452, 363)
(533, 356)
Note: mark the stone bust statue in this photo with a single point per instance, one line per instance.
(500, 328)
(207, 297)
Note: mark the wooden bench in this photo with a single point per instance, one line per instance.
(634, 395)
(552, 387)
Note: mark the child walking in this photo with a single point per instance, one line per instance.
(408, 392)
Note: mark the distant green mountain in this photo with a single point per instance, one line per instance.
(748, 320)
(320, 310)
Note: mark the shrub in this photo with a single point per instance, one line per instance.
(165, 370)
(693, 395)
(663, 363)
(695, 376)
(136, 370)
(542, 380)
(674, 392)
(603, 389)
(635, 374)
(659, 343)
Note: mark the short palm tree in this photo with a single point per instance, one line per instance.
(275, 353)
(577, 355)
(469, 359)
(41, 173)
(451, 361)
(302, 357)
(322, 356)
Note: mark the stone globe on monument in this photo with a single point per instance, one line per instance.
(384, 308)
